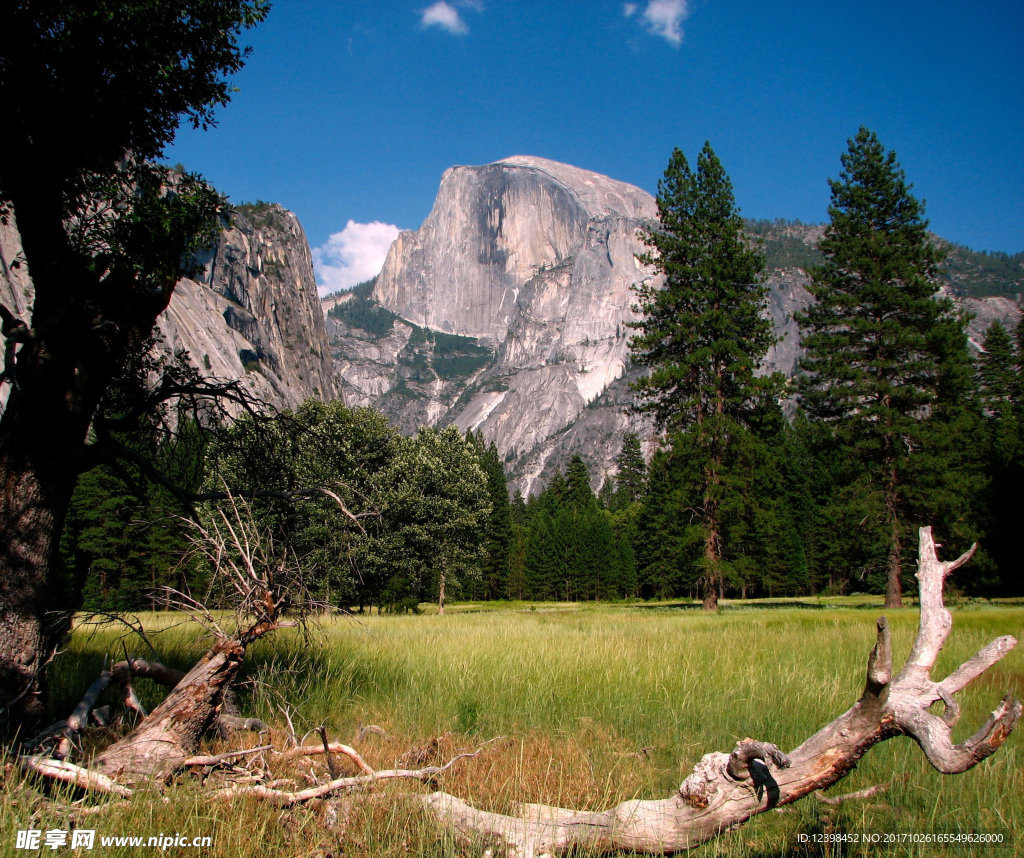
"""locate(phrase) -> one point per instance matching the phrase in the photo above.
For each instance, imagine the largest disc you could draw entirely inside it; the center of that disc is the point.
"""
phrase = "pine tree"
(577, 479)
(498, 534)
(997, 367)
(703, 335)
(632, 471)
(999, 381)
(873, 360)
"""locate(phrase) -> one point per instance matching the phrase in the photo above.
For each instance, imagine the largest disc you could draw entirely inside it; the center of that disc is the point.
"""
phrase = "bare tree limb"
(724, 790)
(68, 773)
(217, 759)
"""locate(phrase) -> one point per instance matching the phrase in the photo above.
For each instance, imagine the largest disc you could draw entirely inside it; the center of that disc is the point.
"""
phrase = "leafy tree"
(703, 335)
(348, 452)
(105, 235)
(433, 503)
(875, 338)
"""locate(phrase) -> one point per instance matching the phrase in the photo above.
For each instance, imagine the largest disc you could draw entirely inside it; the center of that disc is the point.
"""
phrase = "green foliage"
(1001, 387)
(414, 508)
(361, 311)
(703, 335)
(879, 342)
(260, 214)
(980, 274)
(495, 578)
(433, 502)
(631, 480)
(781, 248)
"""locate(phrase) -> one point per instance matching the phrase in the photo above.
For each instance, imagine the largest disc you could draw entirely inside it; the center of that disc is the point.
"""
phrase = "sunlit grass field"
(595, 704)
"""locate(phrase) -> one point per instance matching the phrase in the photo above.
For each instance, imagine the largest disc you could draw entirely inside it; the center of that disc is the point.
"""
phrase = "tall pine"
(873, 339)
(703, 335)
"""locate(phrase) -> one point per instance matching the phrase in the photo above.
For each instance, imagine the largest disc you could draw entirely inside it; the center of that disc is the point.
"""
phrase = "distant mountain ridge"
(531, 263)
(505, 312)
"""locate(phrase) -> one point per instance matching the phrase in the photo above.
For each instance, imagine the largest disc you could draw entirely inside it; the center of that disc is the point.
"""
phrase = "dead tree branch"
(724, 790)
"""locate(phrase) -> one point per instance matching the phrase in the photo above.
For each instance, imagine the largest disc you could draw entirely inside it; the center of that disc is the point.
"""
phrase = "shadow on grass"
(759, 605)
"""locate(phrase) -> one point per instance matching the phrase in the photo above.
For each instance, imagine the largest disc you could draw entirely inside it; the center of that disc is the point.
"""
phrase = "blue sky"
(348, 112)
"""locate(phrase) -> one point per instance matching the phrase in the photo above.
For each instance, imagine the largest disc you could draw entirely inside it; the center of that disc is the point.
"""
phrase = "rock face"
(252, 312)
(525, 265)
(529, 263)
(498, 228)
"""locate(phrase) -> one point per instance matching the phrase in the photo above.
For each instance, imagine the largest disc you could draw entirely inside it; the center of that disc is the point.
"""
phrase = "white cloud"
(353, 255)
(445, 16)
(629, 9)
(663, 18)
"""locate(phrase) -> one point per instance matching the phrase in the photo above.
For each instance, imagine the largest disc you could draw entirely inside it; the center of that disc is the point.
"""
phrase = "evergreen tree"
(498, 534)
(997, 367)
(543, 561)
(873, 359)
(608, 495)
(703, 335)
(577, 480)
(668, 536)
(999, 381)
(632, 474)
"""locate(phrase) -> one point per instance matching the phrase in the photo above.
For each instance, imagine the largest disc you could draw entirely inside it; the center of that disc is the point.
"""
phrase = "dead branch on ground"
(725, 790)
(722, 791)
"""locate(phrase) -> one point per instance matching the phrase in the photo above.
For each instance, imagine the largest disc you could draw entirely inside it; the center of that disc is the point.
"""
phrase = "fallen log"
(725, 790)
(722, 792)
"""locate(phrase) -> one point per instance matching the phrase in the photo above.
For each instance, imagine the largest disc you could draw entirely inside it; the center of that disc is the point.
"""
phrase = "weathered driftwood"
(724, 790)
(170, 734)
(59, 770)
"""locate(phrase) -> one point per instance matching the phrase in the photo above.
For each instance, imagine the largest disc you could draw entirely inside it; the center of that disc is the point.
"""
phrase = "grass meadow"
(595, 704)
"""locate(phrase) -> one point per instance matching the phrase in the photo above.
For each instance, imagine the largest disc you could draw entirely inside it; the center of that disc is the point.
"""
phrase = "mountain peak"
(599, 194)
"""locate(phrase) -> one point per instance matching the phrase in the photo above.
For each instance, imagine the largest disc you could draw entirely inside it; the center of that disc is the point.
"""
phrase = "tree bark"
(84, 324)
(724, 790)
(37, 477)
(893, 586)
(170, 734)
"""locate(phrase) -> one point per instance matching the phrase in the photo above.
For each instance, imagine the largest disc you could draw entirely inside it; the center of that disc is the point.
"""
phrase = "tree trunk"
(893, 585)
(37, 477)
(724, 790)
(171, 732)
(84, 324)
(712, 572)
(894, 568)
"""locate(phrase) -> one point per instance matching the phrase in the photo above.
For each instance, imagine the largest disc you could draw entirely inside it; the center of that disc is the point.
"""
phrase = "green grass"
(577, 691)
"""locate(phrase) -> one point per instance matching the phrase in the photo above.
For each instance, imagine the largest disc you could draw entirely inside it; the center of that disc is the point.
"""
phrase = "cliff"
(506, 313)
(251, 313)
(521, 274)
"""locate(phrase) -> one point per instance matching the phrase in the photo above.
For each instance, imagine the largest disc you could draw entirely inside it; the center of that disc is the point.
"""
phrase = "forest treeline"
(754, 485)
(439, 501)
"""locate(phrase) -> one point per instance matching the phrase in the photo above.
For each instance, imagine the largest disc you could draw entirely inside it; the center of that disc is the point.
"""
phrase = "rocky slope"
(251, 313)
(524, 268)
(506, 312)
